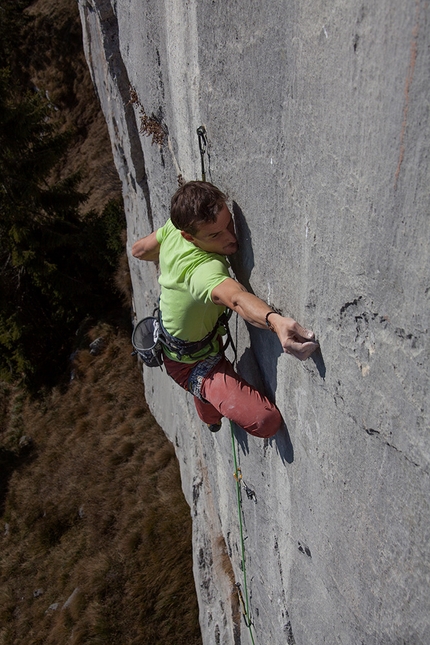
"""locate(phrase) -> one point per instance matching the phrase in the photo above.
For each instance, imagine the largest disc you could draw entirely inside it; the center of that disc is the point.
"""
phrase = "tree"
(56, 266)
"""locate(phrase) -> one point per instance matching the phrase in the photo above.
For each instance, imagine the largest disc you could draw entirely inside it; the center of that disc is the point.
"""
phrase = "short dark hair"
(194, 203)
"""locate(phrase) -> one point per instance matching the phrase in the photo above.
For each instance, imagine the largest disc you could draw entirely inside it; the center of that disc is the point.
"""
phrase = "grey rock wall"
(317, 115)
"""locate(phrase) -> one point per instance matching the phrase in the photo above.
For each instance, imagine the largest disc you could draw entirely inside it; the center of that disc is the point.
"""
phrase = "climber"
(196, 289)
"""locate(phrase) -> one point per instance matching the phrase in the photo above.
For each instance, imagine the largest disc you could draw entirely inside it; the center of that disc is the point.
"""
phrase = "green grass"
(93, 505)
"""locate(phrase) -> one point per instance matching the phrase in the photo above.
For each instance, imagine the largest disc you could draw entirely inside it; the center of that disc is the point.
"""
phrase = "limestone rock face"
(317, 121)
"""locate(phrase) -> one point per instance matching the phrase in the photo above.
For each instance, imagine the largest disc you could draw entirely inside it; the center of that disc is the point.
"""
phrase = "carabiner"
(203, 142)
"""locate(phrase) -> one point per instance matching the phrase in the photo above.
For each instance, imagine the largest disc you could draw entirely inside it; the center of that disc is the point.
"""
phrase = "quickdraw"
(203, 143)
(249, 492)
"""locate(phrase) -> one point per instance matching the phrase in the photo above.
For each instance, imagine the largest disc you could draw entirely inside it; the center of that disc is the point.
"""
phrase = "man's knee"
(267, 423)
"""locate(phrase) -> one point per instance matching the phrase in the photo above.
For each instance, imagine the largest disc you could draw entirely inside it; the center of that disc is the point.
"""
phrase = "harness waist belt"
(187, 348)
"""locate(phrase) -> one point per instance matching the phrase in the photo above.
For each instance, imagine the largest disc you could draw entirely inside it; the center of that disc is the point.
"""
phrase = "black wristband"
(268, 323)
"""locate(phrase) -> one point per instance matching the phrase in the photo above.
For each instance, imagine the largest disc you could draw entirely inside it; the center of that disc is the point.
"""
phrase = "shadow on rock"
(242, 262)
(283, 444)
(317, 358)
(259, 363)
(241, 438)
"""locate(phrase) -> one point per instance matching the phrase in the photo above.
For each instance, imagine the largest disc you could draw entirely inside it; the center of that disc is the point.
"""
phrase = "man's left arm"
(293, 337)
(147, 248)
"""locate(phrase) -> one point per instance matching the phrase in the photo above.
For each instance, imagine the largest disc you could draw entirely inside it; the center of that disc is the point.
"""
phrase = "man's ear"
(187, 236)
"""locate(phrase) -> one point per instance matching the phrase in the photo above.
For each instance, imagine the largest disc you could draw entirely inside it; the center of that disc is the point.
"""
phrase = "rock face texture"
(318, 127)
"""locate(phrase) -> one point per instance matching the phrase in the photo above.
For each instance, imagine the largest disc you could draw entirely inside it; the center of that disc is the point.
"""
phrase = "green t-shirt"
(188, 276)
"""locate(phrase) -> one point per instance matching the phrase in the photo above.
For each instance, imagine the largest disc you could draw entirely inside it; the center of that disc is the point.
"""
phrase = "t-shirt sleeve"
(159, 235)
(206, 277)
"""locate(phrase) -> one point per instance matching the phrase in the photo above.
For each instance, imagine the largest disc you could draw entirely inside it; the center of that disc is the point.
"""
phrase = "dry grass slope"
(96, 534)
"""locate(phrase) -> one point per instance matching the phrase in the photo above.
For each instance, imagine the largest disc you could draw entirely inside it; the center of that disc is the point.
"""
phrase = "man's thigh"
(239, 401)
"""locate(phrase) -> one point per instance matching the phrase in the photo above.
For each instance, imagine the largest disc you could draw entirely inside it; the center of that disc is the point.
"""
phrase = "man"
(196, 289)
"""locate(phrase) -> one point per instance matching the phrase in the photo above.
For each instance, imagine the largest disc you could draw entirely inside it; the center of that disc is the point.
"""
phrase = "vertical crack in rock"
(234, 600)
(288, 630)
(408, 83)
(183, 76)
(110, 40)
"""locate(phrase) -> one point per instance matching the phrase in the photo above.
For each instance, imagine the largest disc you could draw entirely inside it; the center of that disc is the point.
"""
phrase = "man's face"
(216, 237)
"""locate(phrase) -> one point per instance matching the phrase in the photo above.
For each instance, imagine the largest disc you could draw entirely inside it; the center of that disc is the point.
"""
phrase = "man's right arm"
(294, 338)
(147, 248)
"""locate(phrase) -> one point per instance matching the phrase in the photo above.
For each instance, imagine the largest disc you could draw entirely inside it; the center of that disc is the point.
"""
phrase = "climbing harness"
(203, 143)
(149, 336)
(243, 598)
(188, 348)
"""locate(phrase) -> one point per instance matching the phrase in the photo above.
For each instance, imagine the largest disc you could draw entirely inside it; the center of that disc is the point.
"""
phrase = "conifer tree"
(56, 266)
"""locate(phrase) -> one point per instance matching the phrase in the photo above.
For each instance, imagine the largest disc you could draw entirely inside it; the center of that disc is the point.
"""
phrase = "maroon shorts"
(228, 395)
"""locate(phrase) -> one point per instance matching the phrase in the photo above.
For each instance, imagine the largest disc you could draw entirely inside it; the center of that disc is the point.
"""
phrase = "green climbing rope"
(243, 601)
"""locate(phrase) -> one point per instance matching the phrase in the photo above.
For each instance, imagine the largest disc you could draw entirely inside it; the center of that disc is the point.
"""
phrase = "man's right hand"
(295, 339)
